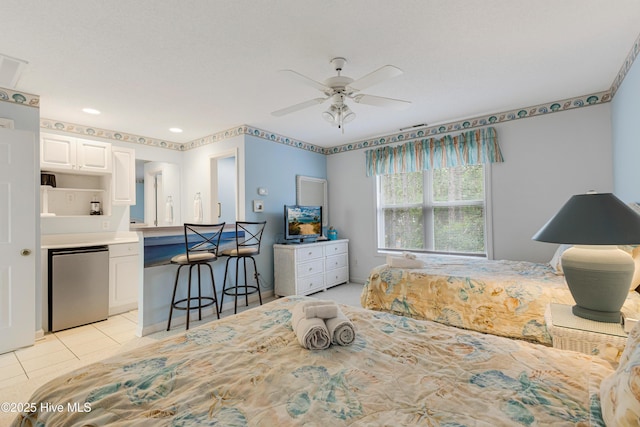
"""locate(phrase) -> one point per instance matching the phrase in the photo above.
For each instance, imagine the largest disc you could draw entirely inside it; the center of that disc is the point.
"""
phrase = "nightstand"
(570, 332)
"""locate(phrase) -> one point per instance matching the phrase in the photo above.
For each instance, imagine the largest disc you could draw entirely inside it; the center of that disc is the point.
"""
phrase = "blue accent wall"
(274, 166)
(625, 114)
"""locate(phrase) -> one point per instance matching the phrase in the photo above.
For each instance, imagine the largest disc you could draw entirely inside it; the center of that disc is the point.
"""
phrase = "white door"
(18, 193)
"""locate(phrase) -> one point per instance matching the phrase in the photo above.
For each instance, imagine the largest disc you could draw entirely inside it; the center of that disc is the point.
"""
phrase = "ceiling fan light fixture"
(330, 115)
(347, 114)
(341, 88)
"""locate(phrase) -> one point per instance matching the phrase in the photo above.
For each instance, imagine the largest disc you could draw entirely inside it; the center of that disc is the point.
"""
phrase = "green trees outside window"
(440, 210)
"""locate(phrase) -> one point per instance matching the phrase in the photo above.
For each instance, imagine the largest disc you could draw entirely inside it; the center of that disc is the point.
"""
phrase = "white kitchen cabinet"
(303, 269)
(123, 181)
(63, 153)
(124, 273)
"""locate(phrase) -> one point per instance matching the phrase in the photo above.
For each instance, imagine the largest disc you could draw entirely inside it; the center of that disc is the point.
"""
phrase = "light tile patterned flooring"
(23, 371)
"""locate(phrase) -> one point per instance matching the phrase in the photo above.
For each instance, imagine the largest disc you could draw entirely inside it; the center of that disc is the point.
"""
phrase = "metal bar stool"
(201, 248)
(248, 238)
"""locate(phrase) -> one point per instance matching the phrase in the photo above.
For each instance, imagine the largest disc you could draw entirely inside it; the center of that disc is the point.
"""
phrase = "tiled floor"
(23, 371)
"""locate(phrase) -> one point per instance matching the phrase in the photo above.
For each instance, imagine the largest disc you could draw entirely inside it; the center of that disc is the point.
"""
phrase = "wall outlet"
(105, 225)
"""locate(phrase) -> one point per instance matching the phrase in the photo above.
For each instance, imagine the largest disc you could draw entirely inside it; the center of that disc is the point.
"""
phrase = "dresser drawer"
(335, 248)
(309, 252)
(310, 284)
(333, 277)
(310, 268)
(336, 261)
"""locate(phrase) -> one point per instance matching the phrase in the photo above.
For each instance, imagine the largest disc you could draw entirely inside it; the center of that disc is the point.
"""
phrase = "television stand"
(311, 267)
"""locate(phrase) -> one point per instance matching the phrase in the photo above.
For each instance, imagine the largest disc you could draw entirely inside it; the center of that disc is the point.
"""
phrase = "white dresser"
(302, 269)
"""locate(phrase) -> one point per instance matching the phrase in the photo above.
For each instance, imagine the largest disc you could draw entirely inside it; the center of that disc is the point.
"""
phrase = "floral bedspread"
(506, 298)
(249, 370)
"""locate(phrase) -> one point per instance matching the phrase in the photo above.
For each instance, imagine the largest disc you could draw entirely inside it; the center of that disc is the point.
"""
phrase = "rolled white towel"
(325, 310)
(341, 329)
(312, 333)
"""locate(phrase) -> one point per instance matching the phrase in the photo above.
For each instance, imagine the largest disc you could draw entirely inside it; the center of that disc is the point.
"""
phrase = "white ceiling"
(211, 65)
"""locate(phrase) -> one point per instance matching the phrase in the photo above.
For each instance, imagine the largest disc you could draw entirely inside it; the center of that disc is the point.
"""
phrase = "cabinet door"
(93, 156)
(123, 284)
(123, 181)
(57, 152)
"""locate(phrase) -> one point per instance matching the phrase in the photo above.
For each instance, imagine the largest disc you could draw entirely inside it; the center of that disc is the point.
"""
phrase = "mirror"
(313, 192)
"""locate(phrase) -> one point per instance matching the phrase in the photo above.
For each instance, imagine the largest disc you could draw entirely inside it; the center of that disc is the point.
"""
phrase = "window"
(436, 210)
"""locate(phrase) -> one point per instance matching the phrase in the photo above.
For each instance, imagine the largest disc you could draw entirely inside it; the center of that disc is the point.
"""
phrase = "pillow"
(633, 341)
(555, 261)
(620, 391)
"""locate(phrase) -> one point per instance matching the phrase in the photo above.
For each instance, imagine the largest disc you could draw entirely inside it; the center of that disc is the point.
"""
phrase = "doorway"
(225, 194)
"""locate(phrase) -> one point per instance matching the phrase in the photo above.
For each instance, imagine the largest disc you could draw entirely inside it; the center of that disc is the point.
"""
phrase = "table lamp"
(597, 272)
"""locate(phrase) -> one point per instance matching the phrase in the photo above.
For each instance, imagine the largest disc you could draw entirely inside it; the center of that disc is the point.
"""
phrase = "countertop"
(76, 240)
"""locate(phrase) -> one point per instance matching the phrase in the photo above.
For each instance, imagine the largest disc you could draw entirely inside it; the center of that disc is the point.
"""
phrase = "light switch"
(258, 206)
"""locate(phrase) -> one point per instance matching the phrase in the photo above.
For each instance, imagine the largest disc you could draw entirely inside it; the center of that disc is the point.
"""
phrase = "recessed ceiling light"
(91, 111)
(175, 130)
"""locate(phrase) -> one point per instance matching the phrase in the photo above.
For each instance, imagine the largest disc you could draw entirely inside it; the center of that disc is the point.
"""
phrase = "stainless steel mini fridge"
(78, 286)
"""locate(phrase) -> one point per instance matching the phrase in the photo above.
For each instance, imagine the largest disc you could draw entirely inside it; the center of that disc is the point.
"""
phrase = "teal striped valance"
(473, 147)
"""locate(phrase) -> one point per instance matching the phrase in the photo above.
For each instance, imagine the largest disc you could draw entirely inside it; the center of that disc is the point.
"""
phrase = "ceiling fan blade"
(379, 101)
(375, 77)
(298, 107)
(306, 80)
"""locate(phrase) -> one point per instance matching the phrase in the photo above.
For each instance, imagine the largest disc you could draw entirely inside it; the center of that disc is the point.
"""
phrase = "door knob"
(25, 252)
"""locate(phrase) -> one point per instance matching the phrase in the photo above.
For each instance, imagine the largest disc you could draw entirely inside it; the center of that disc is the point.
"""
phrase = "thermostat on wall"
(258, 206)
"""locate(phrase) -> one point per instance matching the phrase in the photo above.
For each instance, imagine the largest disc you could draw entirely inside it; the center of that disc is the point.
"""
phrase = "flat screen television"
(302, 223)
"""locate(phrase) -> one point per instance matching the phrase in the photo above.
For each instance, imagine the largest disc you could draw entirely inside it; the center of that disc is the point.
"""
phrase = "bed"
(501, 297)
(249, 370)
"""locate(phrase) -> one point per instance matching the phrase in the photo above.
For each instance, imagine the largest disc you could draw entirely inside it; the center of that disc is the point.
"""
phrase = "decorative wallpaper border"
(9, 95)
(108, 134)
(489, 119)
(631, 57)
(284, 140)
(253, 131)
(17, 97)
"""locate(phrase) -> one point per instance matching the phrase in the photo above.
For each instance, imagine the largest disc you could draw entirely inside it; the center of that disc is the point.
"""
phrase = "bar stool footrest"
(194, 307)
(240, 290)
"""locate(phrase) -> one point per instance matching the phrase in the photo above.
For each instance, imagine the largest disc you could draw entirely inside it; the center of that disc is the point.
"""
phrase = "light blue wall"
(274, 166)
(625, 113)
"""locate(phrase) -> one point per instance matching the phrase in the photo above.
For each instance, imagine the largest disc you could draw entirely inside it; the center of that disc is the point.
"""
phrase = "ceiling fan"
(340, 88)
